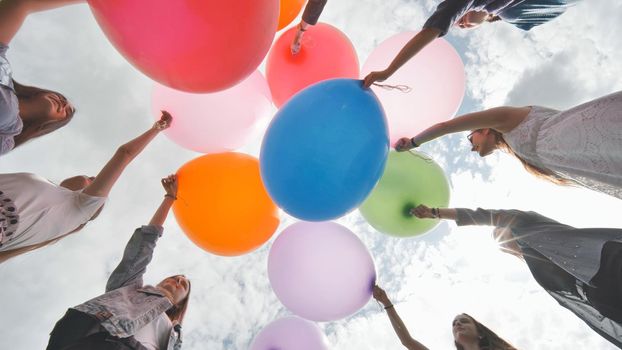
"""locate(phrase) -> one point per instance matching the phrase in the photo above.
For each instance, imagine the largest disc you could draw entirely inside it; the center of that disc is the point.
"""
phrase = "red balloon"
(325, 53)
(190, 45)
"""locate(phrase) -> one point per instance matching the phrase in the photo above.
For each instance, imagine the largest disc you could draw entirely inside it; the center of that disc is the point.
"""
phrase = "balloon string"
(403, 88)
(183, 200)
(423, 156)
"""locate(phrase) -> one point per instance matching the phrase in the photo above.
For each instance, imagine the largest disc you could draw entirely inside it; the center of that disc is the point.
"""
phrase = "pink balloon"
(217, 122)
(321, 271)
(290, 333)
(325, 53)
(196, 46)
(436, 76)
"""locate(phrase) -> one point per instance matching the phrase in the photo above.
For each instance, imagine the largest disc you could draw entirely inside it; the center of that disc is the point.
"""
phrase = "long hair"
(535, 170)
(178, 311)
(41, 124)
(488, 340)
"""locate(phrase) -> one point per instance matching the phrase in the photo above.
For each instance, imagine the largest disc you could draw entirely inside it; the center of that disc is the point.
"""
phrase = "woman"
(26, 112)
(580, 268)
(468, 333)
(130, 315)
(525, 14)
(310, 16)
(35, 212)
(580, 145)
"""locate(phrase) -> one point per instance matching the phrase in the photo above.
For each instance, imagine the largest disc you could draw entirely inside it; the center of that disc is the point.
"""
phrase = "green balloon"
(409, 179)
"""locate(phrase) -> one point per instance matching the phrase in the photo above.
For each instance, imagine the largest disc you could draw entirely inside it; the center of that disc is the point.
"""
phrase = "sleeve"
(313, 10)
(447, 13)
(88, 205)
(137, 255)
(499, 5)
(498, 218)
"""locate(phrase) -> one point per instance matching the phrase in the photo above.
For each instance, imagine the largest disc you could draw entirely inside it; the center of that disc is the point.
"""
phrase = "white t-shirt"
(155, 335)
(33, 210)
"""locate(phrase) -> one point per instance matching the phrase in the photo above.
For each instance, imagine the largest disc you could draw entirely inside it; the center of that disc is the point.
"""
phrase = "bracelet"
(434, 212)
(414, 144)
(438, 213)
(388, 307)
(170, 196)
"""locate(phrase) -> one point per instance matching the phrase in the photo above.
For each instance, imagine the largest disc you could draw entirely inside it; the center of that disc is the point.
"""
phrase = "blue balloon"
(325, 150)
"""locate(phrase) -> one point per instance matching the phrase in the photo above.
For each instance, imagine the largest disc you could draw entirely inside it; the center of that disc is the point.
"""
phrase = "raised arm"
(14, 12)
(108, 176)
(486, 217)
(416, 44)
(398, 326)
(502, 119)
(139, 249)
(310, 16)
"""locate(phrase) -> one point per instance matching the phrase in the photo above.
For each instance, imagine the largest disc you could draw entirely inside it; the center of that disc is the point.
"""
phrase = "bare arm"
(502, 119)
(170, 186)
(397, 323)
(14, 12)
(416, 44)
(108, 176)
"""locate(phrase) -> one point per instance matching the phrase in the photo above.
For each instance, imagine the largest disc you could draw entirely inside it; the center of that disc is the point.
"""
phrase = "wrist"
(413, 143)
(170, 196)
(389, 306)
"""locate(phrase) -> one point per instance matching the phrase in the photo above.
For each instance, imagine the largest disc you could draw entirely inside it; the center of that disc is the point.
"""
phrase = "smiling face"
(483, 141)
(177, 286)
(49, 105)
(464, 329)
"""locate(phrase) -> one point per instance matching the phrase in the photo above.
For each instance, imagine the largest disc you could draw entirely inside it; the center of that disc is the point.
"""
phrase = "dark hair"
(41, 124)
(488, 340)
(535, 170)
(178, 311)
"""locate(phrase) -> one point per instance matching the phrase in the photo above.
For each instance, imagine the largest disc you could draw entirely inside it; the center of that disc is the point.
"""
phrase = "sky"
(431, 278)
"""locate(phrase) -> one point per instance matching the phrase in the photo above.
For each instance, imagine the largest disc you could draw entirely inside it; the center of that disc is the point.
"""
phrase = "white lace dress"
(583, 144)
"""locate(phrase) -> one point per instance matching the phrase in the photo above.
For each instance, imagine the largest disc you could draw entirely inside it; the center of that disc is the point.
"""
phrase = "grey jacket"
(575, 254)
(127, 305)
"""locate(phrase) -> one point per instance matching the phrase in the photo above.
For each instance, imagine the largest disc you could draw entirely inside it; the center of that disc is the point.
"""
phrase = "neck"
(474, 345)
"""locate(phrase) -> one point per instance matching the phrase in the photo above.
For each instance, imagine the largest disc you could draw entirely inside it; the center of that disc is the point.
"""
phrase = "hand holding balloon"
(373, 77)
(380, 295)
(405, 144)
(423, 212)
(164, 122)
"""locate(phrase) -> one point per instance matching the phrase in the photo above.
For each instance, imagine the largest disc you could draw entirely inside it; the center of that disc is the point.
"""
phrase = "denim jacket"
(127, 305)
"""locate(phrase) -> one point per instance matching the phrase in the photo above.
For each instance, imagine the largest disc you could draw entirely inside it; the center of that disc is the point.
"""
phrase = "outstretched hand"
(380, 295)
(404, 144)
(374, 77)
(422, 212)
(164, 122)
(170, 185)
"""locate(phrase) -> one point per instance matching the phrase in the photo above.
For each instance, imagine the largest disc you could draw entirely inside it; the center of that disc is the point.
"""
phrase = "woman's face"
(482, 141)
(53, 105)
(178, 286)
(472, 19)
(464, 329)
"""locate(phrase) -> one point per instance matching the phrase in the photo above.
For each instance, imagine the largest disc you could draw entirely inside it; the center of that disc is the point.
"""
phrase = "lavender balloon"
(321, 271)
(290, 333)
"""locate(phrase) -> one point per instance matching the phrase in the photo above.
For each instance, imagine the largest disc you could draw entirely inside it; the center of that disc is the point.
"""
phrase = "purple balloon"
(290, 333)
(321, 271)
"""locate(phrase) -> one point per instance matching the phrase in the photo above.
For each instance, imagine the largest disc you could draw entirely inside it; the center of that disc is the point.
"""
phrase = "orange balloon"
(222, 204)
(288, 11)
